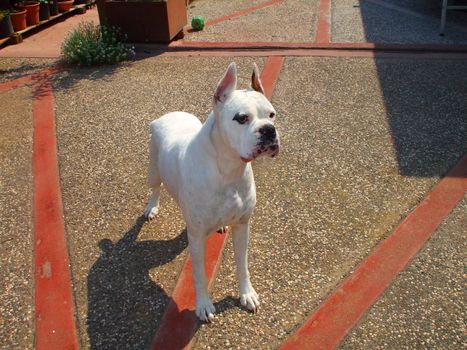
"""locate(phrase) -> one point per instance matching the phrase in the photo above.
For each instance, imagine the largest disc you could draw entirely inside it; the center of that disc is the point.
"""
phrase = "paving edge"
(54, 308)
(341, 311)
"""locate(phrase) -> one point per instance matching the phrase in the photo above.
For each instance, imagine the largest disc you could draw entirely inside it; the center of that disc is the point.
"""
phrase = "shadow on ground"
(411, 22)
(124, 303)
(426, 108)
(424, 99)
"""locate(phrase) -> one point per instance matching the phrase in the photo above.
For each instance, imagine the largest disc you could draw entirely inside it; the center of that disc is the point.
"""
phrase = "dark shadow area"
(426, 108)
(17, 72)
(411, 22)
(124, 303)
(68, 75)
(125, 306)
(425, 98)
(64, 76)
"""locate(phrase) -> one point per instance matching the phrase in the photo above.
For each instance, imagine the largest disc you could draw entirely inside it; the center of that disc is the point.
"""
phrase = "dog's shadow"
(124, 304)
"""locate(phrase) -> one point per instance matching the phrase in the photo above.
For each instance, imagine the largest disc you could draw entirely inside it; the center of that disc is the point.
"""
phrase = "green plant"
(4, 14)
(91, 44)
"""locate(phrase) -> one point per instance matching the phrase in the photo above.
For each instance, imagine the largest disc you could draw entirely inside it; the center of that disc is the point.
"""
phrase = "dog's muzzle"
(268, 141)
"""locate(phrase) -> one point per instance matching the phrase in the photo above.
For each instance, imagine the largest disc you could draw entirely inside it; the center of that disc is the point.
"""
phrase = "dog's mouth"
(271, 150)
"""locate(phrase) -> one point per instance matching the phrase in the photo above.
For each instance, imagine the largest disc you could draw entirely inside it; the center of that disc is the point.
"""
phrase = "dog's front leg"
(248, 297)
(204, 308)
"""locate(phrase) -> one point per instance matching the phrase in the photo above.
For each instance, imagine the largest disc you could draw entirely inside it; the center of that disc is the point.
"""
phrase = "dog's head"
(246, 117)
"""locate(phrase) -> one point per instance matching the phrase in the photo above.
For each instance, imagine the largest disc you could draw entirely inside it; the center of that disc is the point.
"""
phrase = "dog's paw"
(205, 310)
(249, 299)
(150, 212)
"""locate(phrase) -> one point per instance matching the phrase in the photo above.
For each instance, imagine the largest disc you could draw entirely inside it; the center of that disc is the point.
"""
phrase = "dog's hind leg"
(154, 182)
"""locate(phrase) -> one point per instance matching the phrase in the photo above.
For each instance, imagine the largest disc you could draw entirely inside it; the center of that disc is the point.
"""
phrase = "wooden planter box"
(147, 21)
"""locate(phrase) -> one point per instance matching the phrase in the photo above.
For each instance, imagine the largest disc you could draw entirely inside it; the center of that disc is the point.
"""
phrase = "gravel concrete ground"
(13, 68)
(274, 23)
(124, 270)
(426, 307)
(364, 140)
(356, 145)
(366, 21)
(334, 192)
(16, 195)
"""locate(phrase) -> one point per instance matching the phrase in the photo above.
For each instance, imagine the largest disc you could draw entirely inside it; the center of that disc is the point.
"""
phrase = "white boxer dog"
(206, 168)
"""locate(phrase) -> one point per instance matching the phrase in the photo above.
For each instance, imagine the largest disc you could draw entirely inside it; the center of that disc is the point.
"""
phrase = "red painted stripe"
(323, 29)
(243, 12)
(179, 322)
(15, 83)
(271, 70)
(55, 323)
(326, 328)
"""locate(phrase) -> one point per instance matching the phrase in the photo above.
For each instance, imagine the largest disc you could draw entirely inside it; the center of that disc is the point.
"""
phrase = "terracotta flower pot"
(64, 6)
(18, 19)
(32, 12)
(6, 27)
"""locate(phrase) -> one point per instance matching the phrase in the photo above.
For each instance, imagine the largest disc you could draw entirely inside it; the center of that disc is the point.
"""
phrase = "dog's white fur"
(207, 170)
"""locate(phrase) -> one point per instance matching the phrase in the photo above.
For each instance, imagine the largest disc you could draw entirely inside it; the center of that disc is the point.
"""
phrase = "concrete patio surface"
(16, 191)
(425, 307)
(277, 23)
(335, 191)
(123, 270)
(400, 21)
(365, 139)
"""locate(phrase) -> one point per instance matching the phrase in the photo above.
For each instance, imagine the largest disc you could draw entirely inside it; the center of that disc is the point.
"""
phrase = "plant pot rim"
(17, 12)
(29, 3)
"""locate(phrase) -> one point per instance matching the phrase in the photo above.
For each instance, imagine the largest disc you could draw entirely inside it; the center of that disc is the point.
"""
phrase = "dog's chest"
(232, 205)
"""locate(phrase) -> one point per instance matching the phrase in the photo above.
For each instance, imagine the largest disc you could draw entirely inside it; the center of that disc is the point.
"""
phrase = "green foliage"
(91, 44)
(3, 14)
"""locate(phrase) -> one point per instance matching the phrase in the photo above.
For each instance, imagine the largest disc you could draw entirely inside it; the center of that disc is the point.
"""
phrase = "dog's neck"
(229, 163)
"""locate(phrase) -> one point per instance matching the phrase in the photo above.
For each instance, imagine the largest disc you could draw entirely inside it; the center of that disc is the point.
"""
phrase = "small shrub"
(91, 44)
(3, 14)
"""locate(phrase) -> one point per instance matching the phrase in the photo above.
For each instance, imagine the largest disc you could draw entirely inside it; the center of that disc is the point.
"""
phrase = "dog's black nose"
(268, 132)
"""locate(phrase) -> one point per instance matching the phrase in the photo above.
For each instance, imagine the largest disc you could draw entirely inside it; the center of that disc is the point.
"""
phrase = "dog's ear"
(256, 81)
(227, 84)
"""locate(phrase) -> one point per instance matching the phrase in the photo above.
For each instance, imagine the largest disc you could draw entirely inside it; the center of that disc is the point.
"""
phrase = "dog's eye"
(272, 115)
(241, 118)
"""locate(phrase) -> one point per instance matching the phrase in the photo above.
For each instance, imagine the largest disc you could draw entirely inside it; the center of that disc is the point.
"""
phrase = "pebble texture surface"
(273, 23)
(425, 307)
(13, 68)
(333, 193)
(371, 21)
(16, 212)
